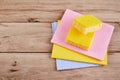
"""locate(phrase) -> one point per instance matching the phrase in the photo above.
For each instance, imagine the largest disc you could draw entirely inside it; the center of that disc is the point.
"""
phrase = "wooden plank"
(25, 37)
(48, 11)
(35, 37)
(115, 40)
(22, 66)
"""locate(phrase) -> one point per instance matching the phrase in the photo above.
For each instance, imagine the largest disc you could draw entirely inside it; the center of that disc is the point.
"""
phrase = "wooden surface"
(25, 34)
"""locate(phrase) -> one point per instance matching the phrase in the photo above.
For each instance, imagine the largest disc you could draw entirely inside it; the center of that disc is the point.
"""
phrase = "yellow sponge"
(78, 39)
(87, 23)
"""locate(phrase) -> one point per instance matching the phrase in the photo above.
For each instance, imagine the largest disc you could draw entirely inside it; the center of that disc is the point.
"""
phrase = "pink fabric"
(100, 41)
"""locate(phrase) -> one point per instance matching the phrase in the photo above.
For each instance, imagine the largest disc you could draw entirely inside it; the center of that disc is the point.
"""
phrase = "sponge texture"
(86, 24)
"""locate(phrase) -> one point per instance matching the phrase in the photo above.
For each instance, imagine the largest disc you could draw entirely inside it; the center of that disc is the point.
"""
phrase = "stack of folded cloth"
(80, 41)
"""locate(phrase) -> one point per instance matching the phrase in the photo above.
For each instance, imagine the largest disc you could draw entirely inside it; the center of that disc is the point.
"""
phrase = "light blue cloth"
(54, 26)
(65, 64)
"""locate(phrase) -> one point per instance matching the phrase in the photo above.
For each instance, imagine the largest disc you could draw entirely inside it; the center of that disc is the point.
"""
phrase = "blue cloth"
(65, 64)
(54, 26)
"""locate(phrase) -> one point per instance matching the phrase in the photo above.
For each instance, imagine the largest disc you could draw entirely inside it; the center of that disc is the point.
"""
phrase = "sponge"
(86, 24)
(78, 39)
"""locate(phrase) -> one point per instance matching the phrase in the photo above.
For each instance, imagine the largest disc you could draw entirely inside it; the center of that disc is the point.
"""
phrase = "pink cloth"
(100, 41)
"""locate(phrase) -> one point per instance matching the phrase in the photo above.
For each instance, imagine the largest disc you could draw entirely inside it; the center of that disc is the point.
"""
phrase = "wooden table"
(25, 34)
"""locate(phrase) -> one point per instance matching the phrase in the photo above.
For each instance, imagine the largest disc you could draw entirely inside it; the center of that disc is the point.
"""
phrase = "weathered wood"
(48, 11)
(25, 48)
(35, 37)
(115, 40)
(22, 66)
(25, 37)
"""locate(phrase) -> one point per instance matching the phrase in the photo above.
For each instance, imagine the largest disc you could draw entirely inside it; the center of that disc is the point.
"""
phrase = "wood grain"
(25, 34)
(41, 67)
(48, 11)
(25, 37)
